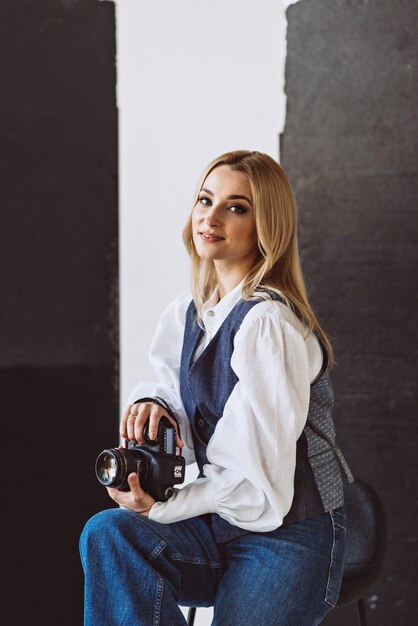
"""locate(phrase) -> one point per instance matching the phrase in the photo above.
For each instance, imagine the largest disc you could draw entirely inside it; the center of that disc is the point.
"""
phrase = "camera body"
(156, 463)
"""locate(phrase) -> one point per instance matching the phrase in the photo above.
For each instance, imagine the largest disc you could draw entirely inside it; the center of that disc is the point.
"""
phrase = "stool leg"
(191, 615)
(361, 610)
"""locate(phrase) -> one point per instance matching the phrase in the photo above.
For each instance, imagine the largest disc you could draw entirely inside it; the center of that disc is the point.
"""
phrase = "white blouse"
(252, 453)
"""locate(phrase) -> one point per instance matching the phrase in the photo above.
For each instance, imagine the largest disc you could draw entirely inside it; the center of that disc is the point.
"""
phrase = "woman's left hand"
(136, 499)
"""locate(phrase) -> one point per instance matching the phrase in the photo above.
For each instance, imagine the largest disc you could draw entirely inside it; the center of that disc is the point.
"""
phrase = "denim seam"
(158, 601)
(340, 518)
(196, 560)
(157, 551)
(327, 594)
(339, 525)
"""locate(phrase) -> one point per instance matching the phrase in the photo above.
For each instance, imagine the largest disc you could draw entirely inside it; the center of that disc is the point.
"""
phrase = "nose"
(212, 216)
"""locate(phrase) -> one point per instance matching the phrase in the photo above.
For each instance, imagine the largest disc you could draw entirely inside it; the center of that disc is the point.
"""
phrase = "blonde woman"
(243, 365)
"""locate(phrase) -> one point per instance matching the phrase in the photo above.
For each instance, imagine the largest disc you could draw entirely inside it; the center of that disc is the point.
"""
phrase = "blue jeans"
(137, 571)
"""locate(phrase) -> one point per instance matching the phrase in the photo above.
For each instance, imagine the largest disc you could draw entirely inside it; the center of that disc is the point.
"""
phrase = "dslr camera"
(156, 463)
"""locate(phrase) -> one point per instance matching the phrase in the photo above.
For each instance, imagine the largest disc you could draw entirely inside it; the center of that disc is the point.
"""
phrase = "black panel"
(350, 148)
(59, 190)
(58, 314)
(57, 421)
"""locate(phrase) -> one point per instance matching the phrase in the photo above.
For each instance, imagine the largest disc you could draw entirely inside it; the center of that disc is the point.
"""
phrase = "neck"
(229, 275)
(227, 282)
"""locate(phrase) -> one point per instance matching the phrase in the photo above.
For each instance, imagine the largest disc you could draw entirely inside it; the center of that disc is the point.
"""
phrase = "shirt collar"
(215, 311)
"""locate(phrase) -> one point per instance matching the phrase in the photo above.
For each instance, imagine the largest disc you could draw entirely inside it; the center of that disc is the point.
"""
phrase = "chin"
(206, 256)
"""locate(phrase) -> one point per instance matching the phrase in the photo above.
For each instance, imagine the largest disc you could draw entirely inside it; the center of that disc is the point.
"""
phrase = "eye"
(238, 209)
(204, 201)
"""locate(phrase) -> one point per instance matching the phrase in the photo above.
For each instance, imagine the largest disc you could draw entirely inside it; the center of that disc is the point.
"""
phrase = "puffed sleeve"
(165, 356)
(252, 453)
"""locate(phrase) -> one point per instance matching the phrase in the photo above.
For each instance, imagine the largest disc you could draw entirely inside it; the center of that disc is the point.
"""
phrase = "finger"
(135, 486)
(141, 419)
(122, 428)
(142, 500)
(130, 424)
(154, 420)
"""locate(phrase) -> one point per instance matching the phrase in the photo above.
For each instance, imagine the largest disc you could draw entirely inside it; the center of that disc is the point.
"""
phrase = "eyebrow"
(232, 197)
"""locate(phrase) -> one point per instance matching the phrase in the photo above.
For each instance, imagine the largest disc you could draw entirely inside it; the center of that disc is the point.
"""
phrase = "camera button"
(201, 423)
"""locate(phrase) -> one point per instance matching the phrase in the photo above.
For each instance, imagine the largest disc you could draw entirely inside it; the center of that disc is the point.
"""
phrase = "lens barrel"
(114, 465)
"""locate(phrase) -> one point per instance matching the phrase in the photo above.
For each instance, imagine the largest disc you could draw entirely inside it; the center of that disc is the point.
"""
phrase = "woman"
(244, 368)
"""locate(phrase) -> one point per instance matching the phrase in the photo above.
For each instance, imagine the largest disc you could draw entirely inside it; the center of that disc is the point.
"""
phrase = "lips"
(210, 237)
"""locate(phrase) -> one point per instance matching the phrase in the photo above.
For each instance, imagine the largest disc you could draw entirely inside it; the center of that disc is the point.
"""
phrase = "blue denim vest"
(205, 387)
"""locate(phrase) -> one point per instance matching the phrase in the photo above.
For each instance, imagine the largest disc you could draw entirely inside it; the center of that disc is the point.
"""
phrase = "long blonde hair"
(278, 265)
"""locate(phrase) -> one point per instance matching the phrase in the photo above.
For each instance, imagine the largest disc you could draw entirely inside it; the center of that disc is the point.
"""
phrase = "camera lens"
(106, 468)
(111, 467)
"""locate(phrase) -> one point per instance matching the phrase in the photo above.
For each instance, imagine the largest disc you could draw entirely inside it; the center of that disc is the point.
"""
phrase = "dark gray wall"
(350, 149)
(58, 247)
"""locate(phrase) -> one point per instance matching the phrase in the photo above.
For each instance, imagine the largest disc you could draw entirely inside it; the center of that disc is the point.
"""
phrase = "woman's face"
(223, 221)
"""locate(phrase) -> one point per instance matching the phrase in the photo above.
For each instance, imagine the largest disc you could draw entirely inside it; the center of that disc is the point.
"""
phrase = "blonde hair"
(278, 266)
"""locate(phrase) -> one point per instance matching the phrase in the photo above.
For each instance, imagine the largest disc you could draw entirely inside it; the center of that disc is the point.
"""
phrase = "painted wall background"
(350, 147)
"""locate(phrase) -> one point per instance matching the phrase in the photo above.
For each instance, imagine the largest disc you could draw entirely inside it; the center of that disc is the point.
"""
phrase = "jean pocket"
(336, 565)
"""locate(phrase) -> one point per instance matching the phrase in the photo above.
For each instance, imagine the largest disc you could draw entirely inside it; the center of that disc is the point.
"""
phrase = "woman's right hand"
(134, 418)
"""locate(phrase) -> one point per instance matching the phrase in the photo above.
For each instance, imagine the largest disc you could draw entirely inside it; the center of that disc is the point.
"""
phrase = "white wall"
(195, 78)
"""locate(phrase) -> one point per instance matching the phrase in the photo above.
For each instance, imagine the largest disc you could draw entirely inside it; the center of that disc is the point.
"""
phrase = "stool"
(365, 546)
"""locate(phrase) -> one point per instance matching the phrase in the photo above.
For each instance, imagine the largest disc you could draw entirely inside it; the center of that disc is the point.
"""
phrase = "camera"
(156, 463)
